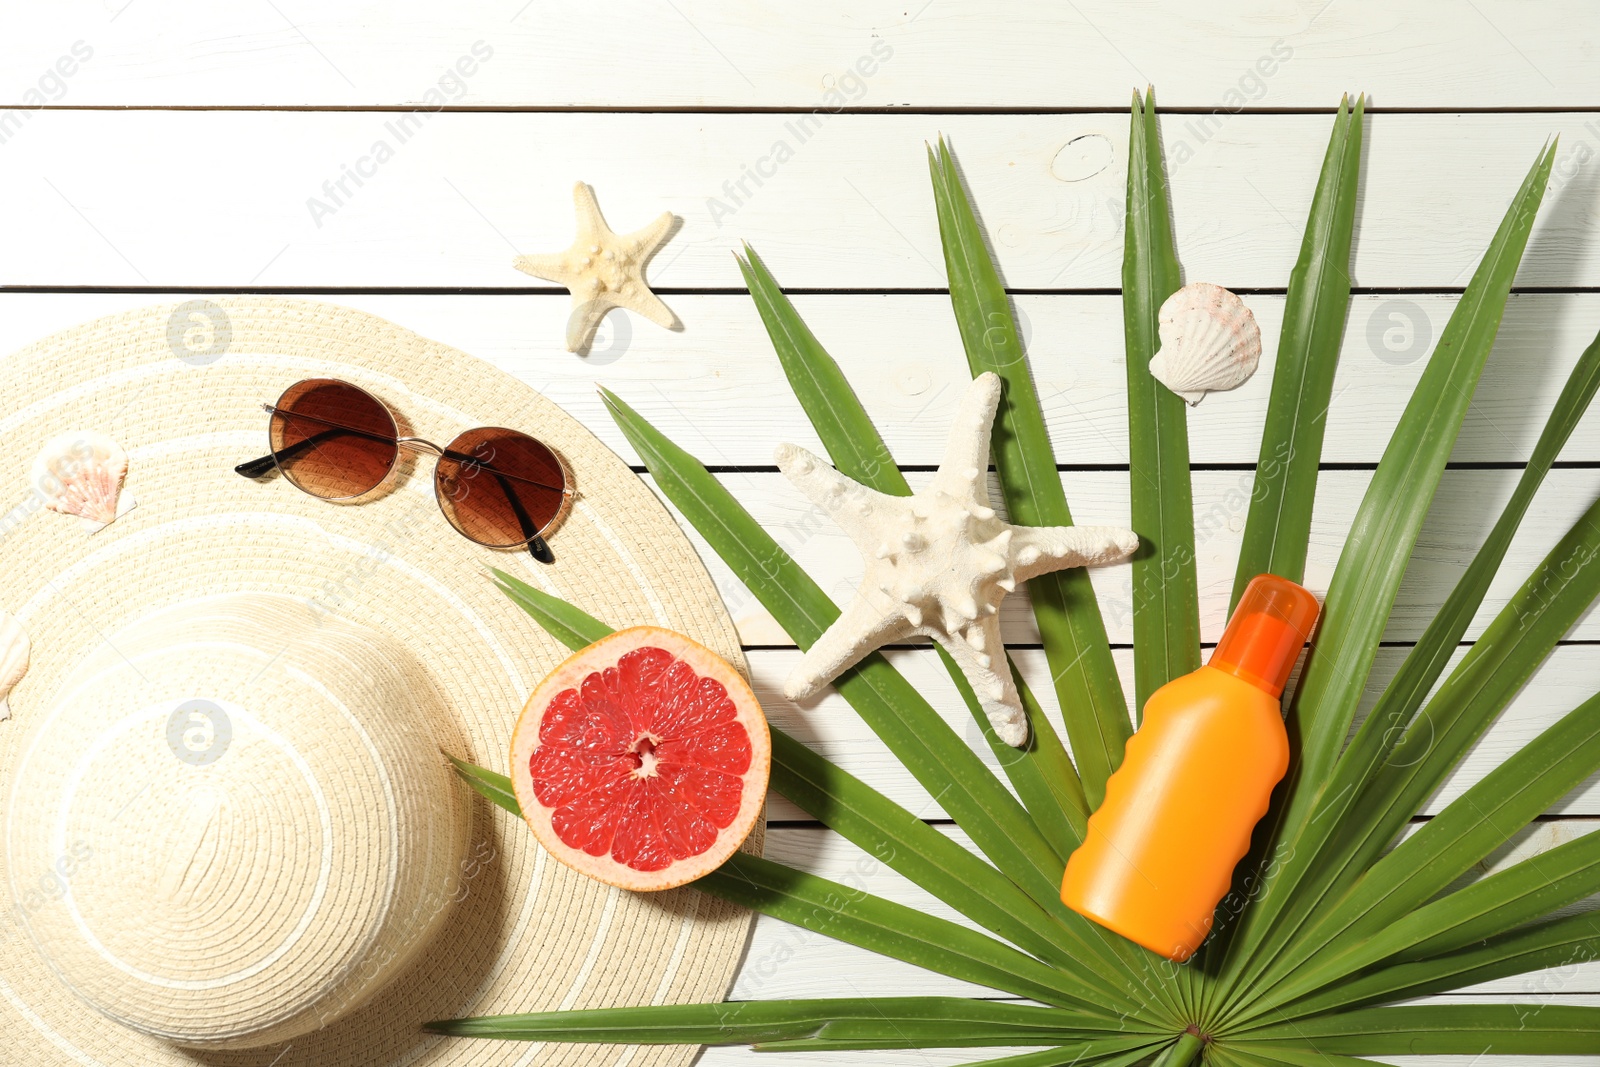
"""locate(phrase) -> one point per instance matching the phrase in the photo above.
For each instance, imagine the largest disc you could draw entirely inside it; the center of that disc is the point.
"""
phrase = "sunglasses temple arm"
(258, 468)
(475, 463)
(540, 551)
(536, 544)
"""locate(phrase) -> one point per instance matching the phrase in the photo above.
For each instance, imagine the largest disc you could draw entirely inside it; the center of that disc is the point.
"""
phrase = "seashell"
(13, 659)
(80, 473)
(1209, 342)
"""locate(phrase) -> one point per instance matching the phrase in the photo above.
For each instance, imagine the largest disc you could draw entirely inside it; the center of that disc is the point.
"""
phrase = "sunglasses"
(497, 487)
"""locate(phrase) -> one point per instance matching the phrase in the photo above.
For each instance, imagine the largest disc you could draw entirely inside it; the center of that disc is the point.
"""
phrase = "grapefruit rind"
(570, 675)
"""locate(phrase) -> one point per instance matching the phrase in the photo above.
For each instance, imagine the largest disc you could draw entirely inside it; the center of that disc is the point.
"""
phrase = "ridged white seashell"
(80, 473)
(1209, 342)
(13, 659)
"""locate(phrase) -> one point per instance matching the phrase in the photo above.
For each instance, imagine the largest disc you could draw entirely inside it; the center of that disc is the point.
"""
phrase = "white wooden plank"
(945, 53)
(787, 961)
(208, 198)
(1464, 508)
(717, 389)
(831, 726)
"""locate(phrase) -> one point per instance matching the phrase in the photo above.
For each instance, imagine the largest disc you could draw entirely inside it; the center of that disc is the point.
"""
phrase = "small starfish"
(604, 270)
(938, 563)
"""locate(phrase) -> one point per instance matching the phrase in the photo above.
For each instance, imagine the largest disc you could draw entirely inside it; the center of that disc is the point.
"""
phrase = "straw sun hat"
(227, 831)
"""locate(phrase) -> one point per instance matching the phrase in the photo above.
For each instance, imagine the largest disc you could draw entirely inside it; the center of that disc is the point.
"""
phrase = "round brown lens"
(499, 487)
(333, 440)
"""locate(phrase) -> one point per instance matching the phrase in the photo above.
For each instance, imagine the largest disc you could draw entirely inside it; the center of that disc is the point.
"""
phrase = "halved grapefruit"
(642, 760)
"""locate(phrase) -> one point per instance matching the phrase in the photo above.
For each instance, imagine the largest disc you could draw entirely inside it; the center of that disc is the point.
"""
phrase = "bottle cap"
(1269, 627)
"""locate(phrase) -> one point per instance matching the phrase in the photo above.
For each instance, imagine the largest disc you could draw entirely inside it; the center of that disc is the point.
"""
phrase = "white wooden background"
(156, 147)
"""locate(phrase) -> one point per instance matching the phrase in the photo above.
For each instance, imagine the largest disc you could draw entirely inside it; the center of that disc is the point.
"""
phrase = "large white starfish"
(938, 563)
(603, 270)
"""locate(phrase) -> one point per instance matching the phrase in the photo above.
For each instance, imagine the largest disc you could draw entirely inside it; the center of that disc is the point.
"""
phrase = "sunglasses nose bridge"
(418, 444)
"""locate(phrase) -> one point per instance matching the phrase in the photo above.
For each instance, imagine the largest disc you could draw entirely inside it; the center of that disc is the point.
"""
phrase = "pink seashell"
(13, 659)
(80, 473)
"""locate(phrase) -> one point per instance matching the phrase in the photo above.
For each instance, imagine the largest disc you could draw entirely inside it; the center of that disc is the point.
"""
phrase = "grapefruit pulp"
(642, 760)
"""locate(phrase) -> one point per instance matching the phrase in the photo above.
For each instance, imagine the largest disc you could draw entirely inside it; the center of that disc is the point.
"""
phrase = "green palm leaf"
(1475, 824)
(1042, 773)
(1070, 625)
(1092, 1053)
(1277, 531)
(1443, 1030)
(1166, 594)
(1271, 1056)
(916, 850)
(842, 424)
(1181, 1051)
(1508, 898)
(855, 1022)
(1386, 525)
(1068, 617)
(493, 787)
(1484, 817)
(1505, 899)
(859, 918)
(563, 621)
(1558, 943)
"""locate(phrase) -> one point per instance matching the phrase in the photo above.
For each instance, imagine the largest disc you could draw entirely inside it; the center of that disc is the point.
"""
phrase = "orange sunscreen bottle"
(1195, 779)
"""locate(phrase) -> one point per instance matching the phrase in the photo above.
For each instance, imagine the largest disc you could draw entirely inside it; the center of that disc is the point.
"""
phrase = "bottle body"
(1178, 813)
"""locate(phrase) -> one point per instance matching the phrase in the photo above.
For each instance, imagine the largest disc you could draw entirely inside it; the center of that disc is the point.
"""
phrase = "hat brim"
(525, 933)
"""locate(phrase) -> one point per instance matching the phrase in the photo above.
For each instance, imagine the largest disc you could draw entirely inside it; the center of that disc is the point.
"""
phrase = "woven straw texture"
(379, 609)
